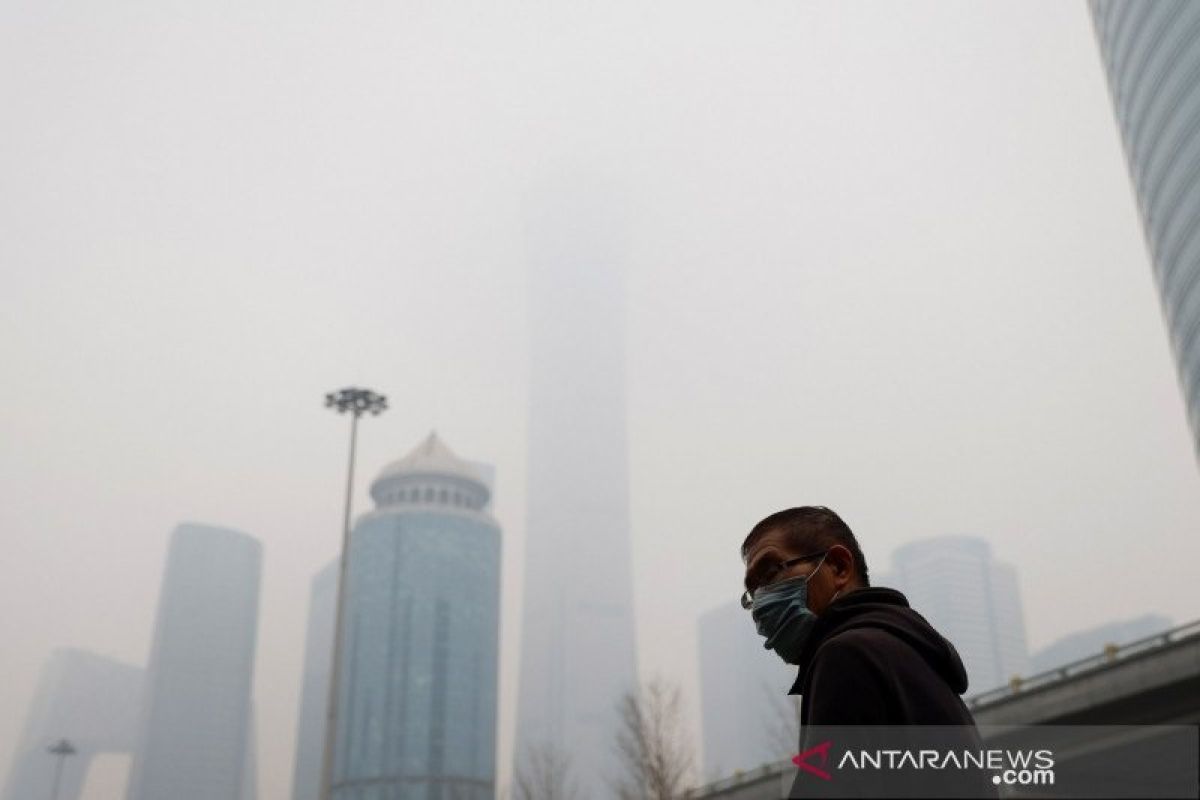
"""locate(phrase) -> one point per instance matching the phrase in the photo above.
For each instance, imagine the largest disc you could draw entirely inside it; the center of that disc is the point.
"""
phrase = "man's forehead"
(773, 541)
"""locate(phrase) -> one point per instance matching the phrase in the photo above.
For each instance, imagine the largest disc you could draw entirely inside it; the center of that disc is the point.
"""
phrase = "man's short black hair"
(808, 529)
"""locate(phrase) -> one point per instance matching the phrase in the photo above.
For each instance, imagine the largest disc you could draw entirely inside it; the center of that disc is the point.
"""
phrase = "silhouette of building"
(971, 599)
(87, 699)
(578, 644)
(181, 719)
(1151, 55)
(193, 734)
(747, 716)
(314, 689)
(418, 694)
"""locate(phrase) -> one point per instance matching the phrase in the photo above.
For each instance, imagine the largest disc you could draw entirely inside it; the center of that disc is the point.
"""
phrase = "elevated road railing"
(1111, 654)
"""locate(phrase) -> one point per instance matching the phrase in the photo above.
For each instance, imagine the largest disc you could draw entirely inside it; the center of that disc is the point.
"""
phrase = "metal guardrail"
(1109, 655)
(738, 778)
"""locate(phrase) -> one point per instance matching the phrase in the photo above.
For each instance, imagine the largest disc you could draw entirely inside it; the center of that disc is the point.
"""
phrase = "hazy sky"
(883, 257)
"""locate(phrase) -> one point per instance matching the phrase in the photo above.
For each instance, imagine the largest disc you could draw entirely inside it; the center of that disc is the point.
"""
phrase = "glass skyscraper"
(418, 679)
(1151, 54)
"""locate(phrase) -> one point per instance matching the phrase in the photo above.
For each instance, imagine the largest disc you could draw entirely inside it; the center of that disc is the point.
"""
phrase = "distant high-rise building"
(1091, 642)
(578, 645)
(87, 699)
(747, 715)
(1151, 54)
(314, 688)
(971, 599)
(418, 679)
(194, 729)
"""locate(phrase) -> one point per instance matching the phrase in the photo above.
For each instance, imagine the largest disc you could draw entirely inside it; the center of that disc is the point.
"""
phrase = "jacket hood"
(888, 610)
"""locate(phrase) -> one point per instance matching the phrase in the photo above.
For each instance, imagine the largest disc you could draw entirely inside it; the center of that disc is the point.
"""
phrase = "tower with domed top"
(418, 686)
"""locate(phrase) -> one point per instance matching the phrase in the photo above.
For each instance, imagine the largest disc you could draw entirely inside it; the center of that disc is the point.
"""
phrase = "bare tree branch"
(544, 774)
(782, 732)
(652, 743)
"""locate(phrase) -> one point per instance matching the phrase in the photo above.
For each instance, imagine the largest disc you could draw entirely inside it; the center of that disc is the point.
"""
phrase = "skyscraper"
(971, 599)
(89, 700)
(578, 648)
(193, 734)
(314, 689)
(1151, 54)
(418, 693)
(747, 715)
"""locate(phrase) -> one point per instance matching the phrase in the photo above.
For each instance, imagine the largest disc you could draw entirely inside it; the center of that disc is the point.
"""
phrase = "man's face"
(773, 548)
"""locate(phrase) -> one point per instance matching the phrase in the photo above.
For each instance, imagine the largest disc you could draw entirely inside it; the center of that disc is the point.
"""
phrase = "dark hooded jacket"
(872, 660)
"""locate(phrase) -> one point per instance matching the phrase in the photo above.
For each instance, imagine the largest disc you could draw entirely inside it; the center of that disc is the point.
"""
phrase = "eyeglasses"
(769, 578)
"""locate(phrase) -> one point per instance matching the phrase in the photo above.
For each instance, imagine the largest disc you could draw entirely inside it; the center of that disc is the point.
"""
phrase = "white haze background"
(883, 257)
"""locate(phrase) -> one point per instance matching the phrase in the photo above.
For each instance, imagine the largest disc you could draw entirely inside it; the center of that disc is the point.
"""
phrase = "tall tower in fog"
(578, 647)
(196, 714)
(1151, 53)
(418, 679)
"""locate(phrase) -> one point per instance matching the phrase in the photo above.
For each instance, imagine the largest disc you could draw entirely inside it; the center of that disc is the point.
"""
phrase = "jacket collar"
(839, 611)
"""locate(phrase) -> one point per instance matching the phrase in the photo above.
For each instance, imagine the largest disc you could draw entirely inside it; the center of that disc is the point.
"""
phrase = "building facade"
(418, 694)
(194, 733)
(578, 644)
(971, 599)
(1151, 56)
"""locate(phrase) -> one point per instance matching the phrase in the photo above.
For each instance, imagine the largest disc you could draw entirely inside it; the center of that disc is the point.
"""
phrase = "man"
(864, 657)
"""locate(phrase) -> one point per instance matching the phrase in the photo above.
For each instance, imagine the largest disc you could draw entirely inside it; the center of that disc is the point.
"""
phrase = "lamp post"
(357, 402)
(60, 749)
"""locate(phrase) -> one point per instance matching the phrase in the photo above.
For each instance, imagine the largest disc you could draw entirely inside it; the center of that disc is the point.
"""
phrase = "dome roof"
(432, 457)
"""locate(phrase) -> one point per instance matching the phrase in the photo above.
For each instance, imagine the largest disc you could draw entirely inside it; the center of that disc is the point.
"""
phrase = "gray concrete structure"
(195, 716)
(1151, 56)
(578, 648)
(91, 701)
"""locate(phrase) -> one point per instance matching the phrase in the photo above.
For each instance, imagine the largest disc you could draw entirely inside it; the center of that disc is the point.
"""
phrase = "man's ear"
(841, 559)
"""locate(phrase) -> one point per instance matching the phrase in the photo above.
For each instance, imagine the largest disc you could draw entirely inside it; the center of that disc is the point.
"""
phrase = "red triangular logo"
(822, 750)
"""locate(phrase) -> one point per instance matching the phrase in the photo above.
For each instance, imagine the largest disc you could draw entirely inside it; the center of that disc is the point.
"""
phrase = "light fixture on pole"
(60, 749)
(357, 402)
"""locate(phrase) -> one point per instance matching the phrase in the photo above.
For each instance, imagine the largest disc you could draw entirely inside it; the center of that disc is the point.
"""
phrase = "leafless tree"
(782, 731)
(544, 774)
(654, 747)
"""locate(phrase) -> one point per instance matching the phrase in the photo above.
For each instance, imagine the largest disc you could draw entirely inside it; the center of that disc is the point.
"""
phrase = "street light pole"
(357, 402)
(60, 749)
